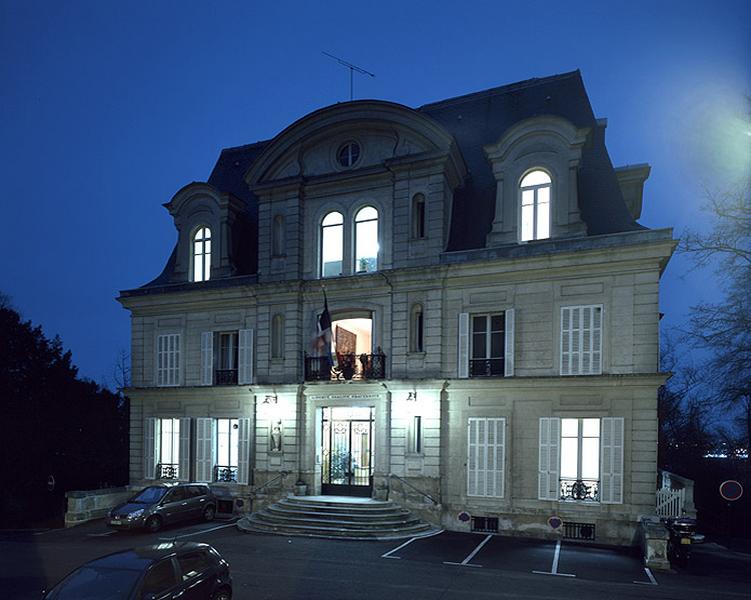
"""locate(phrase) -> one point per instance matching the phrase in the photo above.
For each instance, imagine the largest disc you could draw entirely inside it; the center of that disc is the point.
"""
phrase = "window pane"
(527, 223)
(366, 214)
(234, 427)
(366, 236)
(535, 178)
(496, 345)
(543, 219)
(590, 458)
(478, 345)
(569, 462)
(333, 218)
(528, 197)
(591, 427)
(332, 247)
(569, 427)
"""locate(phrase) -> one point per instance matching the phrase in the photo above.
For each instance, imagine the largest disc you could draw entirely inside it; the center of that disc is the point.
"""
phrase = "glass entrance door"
(347, 468)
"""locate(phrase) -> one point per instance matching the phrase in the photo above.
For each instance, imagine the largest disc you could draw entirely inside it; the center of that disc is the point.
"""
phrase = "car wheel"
(222, 595)
(209, 513)
(154, 523)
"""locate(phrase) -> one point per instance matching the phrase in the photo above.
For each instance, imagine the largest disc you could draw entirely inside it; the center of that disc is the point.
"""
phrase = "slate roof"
(475, 120)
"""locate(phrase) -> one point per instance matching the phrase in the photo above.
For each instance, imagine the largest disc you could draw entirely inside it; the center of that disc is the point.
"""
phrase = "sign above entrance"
(347, 397)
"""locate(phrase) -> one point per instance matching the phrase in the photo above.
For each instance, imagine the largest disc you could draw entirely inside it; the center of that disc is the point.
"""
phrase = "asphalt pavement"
(446, 566)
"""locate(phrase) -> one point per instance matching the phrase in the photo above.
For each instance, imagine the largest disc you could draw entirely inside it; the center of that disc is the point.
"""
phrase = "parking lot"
(446, 566)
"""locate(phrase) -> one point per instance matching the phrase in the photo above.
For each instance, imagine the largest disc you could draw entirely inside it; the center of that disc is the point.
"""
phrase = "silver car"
(159, 505)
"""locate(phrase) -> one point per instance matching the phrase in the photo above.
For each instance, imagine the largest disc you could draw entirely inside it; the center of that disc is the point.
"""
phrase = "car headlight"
(135, 514)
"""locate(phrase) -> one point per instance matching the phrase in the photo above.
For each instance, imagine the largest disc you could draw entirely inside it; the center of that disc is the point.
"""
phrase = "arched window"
(418, 216)
(416, 329)
(332, 244)
(277, 236)
(366, 240)
(277, 336)
(535, 191)
(202, 254)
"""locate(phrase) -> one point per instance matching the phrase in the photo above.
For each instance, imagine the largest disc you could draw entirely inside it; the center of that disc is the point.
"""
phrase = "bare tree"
(723, 328)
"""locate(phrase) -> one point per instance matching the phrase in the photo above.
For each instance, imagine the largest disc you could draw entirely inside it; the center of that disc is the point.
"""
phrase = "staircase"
(339, 517)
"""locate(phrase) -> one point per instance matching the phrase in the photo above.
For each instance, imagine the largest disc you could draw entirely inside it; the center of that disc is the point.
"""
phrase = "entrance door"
(347, 468)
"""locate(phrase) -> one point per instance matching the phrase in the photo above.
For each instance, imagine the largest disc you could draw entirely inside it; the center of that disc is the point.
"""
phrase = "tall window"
(487, 352)
(168, 359)
(581, 340)
(226, 449)
(418, 216)
(366, 240)
(580, 459)
(535, 206)
(169, 448)
(332, 244)
(228, 351)
(202, 254)
(417, 325)
(277, 336)
(277, 236)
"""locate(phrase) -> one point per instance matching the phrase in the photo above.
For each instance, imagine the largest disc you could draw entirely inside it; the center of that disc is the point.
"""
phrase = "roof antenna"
(352, 68)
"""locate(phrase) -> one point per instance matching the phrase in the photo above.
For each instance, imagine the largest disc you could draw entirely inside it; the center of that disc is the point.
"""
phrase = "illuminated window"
(418, 216)
(535, 191)
(226, 450)
(366, 240)
(580, 458)
(202, 254)
(332, 244)
(169, 448)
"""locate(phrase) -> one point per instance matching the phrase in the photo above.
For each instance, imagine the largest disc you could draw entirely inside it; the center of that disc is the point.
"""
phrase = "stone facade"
(424, 304)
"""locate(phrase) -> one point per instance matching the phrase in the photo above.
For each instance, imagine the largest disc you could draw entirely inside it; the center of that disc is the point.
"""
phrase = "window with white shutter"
(183, 469)
(205, 436)
(245, 357)
(168, 359)
(243, 451)
(207, 358)
(508, 353)
(151, 447)
(486, 449)
(462, 354)
(581, 340)
(611, 478)
(550, 432)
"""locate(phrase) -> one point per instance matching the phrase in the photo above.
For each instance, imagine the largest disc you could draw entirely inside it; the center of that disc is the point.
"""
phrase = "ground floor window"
(169, 449)
(580, 459)
(486, 450)
(222, 450)
(226, 449)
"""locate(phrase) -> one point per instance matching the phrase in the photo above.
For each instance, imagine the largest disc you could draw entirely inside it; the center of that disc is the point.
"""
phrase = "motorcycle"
(682, 536)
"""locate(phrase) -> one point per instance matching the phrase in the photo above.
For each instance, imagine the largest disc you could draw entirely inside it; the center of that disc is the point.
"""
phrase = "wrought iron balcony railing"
(225, 473)
(486, 367)
(167, 471)
(226, 377)
(580, 489)
(347, 366)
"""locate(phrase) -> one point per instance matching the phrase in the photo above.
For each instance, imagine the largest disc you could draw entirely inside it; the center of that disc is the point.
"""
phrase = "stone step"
(274, 519)
(365, 508)
(287, 510)
(423, 529)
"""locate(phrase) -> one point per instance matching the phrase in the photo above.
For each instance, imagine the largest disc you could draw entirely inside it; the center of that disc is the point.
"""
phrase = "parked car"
(184, 570)
(159, 505)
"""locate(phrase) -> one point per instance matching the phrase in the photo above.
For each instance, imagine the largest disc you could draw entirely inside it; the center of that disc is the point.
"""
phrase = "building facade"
(451, 306)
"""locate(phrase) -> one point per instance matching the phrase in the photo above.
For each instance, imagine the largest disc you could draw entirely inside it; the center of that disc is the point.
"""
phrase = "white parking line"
(105, 534)
(390, 552)
(652, 580)
(177, 537)
(554, 568)
(465, 562)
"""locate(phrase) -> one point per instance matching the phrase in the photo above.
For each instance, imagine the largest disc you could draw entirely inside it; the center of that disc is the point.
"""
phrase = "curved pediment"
(380, 130)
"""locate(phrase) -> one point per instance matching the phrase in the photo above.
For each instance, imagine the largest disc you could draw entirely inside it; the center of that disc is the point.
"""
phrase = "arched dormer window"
(277, 336)
(202, 254)
(332, 244)
(366, 240)
(535, 189)
(418, 216)
(277, 236)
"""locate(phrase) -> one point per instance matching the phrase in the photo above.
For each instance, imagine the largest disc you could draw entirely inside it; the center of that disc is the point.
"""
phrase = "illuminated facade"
(488, 335)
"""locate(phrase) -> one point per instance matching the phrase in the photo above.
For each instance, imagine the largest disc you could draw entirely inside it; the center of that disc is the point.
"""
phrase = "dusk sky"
(107, 109)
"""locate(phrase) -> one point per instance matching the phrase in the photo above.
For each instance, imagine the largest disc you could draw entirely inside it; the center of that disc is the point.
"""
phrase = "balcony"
(486, 367)
(587, 490)
(348, 367)
(226, 377)
(167, 471)
(226, 474)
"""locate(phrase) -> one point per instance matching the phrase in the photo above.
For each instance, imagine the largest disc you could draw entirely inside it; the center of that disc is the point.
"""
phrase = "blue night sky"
(107, 109)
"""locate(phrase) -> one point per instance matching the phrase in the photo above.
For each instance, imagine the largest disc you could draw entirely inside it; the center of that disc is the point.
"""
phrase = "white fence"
(670, 503)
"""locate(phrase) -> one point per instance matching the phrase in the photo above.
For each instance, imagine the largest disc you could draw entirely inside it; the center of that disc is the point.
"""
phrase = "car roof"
(137, 559)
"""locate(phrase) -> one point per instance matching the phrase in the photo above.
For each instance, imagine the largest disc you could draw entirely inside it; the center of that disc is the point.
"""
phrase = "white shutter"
(565, 340)
(243, 451)
(597, 340)
(150, 447)
(508, 351)
(550, 435)
(486, 440)
(183, 460)
(462, 355)
(245, 356)
(205, 443)
(611, 460)
(207, 358)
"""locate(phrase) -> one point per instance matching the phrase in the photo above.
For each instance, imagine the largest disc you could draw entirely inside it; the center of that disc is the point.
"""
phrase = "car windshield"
(91, 583)
(150, 495)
